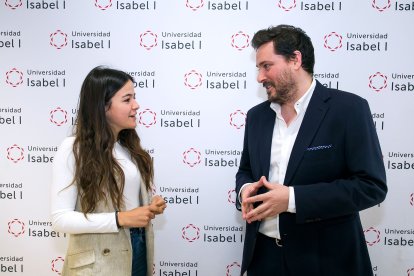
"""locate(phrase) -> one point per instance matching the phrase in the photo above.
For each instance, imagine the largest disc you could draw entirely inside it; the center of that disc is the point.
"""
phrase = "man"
(311, 161)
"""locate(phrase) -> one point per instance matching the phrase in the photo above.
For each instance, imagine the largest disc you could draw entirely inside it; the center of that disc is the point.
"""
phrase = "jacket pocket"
(324, 155)
(80, 259)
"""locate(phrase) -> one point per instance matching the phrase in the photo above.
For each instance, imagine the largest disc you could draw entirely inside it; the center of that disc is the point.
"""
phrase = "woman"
(102, 181)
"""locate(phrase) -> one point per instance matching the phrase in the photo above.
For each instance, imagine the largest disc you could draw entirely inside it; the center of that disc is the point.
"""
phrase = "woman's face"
(122, 109)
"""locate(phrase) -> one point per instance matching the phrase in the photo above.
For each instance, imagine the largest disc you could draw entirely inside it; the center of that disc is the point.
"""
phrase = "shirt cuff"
(292, 203)
(241, 190)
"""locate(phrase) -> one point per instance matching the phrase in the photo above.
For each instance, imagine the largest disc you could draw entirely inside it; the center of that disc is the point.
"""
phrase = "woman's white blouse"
(64, 197)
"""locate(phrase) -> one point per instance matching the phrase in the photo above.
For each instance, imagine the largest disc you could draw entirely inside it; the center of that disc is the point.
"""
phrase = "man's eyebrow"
(261, 63)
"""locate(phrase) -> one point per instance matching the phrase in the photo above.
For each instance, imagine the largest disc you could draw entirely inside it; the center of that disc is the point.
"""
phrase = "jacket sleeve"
(244, 173)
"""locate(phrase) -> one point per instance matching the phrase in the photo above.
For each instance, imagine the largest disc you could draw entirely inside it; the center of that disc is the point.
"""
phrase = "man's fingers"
(253, 199)
(256, 214)
(246, 208)
(259, 183)
(268, 185)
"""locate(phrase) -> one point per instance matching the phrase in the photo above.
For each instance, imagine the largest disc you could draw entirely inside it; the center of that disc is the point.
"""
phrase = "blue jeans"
(139, 252)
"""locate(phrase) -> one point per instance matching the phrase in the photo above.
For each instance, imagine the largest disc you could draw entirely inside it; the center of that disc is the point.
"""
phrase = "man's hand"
(274, 202)
(247, 192)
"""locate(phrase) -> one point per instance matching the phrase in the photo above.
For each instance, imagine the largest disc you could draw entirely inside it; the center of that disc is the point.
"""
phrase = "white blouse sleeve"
(64, 196)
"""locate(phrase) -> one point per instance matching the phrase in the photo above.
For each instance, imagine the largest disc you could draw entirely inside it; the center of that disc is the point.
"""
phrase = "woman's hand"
(138, 217)
(158, 205)
(142, 216)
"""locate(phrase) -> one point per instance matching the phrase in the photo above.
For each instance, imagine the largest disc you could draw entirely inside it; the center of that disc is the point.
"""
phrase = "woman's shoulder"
(67, 142)
(66, 146)
(64, 152)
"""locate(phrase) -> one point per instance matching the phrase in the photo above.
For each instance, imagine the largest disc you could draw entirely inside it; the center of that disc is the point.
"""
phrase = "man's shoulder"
(259, 107)
(339, 96)
(336, 93)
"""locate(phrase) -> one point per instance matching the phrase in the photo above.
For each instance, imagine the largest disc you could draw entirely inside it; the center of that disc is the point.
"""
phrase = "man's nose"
(260, 77)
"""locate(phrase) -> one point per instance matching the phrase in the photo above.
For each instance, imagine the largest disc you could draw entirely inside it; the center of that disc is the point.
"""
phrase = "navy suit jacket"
(336, 169)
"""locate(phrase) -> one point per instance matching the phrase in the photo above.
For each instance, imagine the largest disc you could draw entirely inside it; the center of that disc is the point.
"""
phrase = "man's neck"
(304, 81)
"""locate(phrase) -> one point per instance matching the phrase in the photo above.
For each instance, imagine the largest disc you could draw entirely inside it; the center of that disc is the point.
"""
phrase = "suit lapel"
(314, 115)
(265, 146)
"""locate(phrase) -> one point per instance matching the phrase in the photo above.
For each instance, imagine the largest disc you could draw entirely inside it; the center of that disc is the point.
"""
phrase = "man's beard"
(285, 89)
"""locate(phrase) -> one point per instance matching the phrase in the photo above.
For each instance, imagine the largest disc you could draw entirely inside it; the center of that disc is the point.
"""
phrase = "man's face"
(276, 74)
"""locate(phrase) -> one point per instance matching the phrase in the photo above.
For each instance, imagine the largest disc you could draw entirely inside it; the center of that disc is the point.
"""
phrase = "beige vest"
(106, 254)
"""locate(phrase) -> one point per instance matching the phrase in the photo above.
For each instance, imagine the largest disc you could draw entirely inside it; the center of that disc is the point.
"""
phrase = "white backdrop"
(196, 79)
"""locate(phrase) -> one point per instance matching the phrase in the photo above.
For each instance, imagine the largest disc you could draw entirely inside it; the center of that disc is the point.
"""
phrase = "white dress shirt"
(282, 143)
(63, 197)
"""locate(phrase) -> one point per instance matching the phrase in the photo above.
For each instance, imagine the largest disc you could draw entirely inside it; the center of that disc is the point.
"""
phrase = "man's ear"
(297, 59)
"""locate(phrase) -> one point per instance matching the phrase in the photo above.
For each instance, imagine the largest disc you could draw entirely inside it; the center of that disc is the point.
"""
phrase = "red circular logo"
(13, 4)
(193, 79)
(57, 265)
(191, 157)
(58, 116)
(378, 81)
(16, 227)
(383, 8)
(14, 77)
(58, 39)
(288, 6)
(240, 40)
(190, 233)
(233, 269)
(372, 236)
(194, 4)
(103, 4)
(154, 189)
(147, 118)
(332, 41)
(15, 153)
(148, 40)
(238, 119)
(231, 196)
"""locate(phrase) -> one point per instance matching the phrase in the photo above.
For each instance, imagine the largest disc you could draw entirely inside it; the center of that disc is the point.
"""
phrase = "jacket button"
(106, 252)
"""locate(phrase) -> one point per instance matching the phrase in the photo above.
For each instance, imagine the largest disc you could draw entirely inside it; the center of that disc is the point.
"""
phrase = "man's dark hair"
(286, 40)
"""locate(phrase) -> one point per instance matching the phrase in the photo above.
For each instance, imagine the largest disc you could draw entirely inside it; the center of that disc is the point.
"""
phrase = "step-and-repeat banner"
(195, 78)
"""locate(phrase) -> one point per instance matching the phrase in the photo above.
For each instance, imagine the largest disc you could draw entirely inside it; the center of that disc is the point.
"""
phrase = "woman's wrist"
(117, 219)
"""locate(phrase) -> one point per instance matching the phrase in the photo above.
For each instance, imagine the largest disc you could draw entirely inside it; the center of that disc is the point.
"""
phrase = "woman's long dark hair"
(98, 175)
